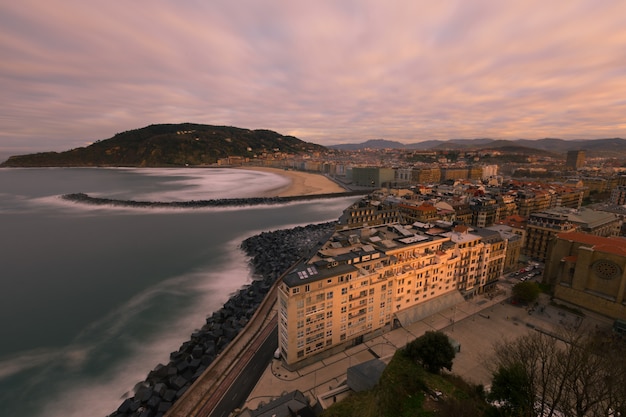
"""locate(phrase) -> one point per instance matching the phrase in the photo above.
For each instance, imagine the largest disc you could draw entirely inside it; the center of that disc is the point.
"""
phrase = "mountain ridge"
(598, 147)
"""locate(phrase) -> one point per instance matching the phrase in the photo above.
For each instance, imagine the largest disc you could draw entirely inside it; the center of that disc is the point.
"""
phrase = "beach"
(300, 183)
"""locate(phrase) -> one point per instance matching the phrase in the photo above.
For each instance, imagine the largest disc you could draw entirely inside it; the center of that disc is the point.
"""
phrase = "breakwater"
(222, 202)
(271, 254)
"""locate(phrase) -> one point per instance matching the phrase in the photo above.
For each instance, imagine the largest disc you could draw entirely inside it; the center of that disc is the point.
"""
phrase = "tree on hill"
(525, 292)
(433, 350)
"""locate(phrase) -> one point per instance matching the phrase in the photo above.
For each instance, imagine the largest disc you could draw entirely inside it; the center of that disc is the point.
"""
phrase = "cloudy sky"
(73, 71)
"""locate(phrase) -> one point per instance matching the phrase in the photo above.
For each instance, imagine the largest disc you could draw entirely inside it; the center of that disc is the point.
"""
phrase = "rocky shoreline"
(223, 202)
(271, 254)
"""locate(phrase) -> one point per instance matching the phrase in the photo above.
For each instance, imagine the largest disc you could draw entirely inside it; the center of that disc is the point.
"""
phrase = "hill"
(165, 145)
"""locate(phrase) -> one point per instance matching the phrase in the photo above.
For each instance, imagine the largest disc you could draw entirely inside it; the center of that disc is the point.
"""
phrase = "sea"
(94, 297)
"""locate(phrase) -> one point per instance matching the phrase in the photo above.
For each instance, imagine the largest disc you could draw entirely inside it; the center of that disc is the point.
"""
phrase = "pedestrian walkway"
(476, 324)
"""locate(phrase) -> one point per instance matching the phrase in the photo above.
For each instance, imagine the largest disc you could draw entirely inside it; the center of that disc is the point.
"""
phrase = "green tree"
(512, 390)
(526, 292)
(433, 350)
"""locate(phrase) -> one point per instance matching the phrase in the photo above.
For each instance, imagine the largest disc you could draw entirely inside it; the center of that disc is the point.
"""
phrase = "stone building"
(589, 271)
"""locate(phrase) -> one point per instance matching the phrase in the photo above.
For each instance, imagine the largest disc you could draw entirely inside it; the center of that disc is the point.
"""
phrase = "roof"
(285, 406)
(614, 245)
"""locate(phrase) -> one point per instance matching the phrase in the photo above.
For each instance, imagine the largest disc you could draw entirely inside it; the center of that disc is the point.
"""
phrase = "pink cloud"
(326, 71)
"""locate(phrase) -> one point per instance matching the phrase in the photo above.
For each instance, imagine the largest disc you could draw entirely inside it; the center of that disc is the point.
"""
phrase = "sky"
(325, 71)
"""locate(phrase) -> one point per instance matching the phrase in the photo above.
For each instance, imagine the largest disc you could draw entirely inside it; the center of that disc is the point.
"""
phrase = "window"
(329, 295)
(307, 288)
(295, 290)
(344, 291)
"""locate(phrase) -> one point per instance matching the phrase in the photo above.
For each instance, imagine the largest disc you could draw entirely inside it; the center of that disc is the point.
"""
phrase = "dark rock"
(125, 406)
(143, 393)
(169, 395)
(164, 406)
(153, 402)
(177, 382)
(181, 391)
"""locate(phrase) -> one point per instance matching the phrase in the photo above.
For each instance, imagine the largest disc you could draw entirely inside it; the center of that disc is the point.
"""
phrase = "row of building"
(381, 269)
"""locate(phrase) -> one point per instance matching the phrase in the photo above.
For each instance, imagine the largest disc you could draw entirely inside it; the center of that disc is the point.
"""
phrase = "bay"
(94, 297)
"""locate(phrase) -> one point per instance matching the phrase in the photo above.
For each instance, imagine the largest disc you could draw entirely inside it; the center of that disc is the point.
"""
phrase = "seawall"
(224, 202)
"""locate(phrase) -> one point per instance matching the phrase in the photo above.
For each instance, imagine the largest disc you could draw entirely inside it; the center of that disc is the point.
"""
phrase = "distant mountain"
(594, 147)
(370, 144)
(165, 145)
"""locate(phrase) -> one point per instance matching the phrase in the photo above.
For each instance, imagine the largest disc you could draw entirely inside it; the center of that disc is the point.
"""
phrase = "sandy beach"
(301, 183)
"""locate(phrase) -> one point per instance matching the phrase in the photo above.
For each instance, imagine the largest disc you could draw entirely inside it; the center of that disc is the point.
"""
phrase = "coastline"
(301, 183)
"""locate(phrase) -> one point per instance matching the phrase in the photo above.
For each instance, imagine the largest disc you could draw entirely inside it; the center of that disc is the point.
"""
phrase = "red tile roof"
(615, 245)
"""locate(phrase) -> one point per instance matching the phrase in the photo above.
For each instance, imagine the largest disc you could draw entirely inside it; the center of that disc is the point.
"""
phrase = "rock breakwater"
(271, 254)
(224, 202)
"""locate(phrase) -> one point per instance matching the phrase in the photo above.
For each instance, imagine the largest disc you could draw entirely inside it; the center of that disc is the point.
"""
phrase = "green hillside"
(406, 389)
(168, 145)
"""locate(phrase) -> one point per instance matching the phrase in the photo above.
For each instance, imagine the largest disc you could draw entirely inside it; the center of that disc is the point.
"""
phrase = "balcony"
(360, 313)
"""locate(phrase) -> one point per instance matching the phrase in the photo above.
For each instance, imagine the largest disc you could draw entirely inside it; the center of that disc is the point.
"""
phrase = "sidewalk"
(476, 324)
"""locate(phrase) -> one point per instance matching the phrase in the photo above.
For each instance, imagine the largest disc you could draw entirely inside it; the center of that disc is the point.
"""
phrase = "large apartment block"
(364, 281)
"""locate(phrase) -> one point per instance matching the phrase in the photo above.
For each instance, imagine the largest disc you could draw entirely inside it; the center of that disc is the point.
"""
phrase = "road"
(240, 379)
(246, 380)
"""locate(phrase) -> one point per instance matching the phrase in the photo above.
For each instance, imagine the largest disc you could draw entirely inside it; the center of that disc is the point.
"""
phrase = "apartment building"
(575, 159)
(424, 212)
(618, 195)
(544, 226)
(513, 246)
(374, 177)
(364, 281)
(368, 213)
(541, 228)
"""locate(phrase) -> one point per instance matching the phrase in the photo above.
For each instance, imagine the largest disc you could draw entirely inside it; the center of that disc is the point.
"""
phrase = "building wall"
(340, 308)
(575, 159)
(372, 176)
(539, 232)
(618, 195)
(589, 272)
(361, 289)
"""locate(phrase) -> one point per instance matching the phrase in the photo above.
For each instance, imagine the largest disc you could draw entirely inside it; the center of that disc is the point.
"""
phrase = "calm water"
(94, 297)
